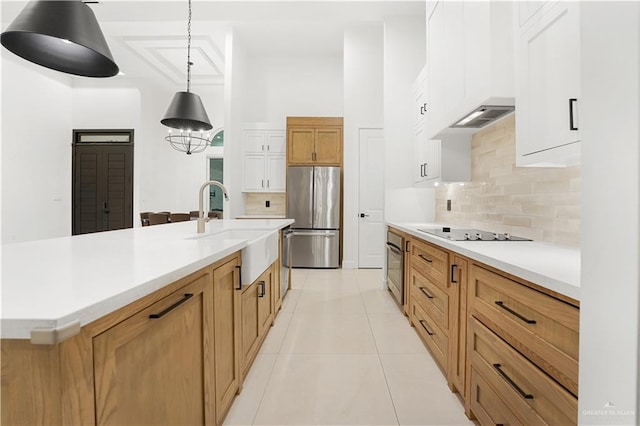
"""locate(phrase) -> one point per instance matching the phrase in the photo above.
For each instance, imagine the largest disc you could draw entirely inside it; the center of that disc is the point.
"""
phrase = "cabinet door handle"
(406, 246)
(514, 313)
(268, 148)
(422, 110)
(262, 181)
(186, 297)
(263, 289)
(453, 273)
(262, 148)
(239, 277)
(511, 382)
(572, 124)
(425, 258)
(424, 290)
(422, 170)
(425, 107)
(313, 156)
(267, 183)
(422, 323)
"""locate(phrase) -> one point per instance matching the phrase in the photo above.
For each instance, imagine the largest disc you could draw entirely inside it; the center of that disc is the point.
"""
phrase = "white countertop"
(48, 284)
(551, 266)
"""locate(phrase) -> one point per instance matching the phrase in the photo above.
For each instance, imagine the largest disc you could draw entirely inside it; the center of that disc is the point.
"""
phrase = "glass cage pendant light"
(60, 35)
(186, 113)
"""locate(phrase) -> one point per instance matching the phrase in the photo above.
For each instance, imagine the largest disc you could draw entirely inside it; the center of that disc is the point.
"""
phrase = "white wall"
(297, 85)
(363, 108)
(235, 95)
(610, 131)
(36, 151)
(405, 53)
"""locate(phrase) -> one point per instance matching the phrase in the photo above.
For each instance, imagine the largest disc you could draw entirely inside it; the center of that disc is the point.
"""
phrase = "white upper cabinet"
(470, 60)
(267, 141)
(436, 160)
(264, 160)
(547, 84)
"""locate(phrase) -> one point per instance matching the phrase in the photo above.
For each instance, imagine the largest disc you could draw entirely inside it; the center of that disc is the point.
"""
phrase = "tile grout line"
(278, 355)
(384, 373)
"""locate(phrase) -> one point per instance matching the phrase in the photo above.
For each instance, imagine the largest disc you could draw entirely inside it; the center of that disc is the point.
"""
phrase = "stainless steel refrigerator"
(313, 200)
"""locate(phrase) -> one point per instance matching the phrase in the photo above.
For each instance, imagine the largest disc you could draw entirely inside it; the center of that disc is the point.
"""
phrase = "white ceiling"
(150, 35)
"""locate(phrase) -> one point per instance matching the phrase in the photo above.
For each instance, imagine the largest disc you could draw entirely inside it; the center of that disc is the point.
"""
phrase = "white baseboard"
(349, 264)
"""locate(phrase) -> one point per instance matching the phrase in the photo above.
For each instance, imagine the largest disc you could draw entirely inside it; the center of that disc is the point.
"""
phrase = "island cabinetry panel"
(256, 316)
(523, 344)
(171, 357)
(226, 318)
(149, 369)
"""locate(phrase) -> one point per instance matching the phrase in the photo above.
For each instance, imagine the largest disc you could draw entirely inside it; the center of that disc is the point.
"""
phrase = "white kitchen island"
(138, 326)
(49, 284)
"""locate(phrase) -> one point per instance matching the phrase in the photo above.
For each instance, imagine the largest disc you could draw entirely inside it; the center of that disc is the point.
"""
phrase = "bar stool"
(158, 218)
(179, 217)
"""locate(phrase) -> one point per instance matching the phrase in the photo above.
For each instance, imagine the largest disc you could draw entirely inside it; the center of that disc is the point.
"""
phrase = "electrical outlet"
(448, 205)
(267, 203)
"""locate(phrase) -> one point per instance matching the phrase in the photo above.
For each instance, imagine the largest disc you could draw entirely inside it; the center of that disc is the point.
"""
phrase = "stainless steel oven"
(395, 266)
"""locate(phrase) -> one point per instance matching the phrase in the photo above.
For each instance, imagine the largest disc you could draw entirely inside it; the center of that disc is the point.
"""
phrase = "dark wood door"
(102, 187)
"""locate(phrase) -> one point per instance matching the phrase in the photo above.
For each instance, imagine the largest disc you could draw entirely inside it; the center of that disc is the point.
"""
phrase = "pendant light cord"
(189, 63)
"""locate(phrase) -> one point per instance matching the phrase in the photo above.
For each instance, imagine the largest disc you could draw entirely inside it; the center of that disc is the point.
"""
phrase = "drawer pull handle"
(424, 290)
(425, 258)
(454, 267)
(186, 297)
(422, 323)
(511, 382)
(239, 277)
(511, 311)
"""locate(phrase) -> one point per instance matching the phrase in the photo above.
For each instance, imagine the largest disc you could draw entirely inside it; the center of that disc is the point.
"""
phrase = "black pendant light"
(187, 114)
(61, 35)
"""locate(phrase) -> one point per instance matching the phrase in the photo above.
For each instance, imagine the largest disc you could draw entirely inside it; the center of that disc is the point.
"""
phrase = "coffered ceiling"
(148, 38)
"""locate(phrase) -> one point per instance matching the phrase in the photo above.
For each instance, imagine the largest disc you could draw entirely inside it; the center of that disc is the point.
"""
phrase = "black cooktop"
(457, 234)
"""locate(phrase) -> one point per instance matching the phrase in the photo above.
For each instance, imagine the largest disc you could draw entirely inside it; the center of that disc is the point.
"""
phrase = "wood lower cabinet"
(531, 395)
(249, 327)
(523, 343)
(149, 369)
(172, 357)
(256, 317)
(458, 278)
(507, 346)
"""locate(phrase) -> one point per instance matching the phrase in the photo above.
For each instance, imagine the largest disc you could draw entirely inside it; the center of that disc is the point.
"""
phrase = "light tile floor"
(342, 353)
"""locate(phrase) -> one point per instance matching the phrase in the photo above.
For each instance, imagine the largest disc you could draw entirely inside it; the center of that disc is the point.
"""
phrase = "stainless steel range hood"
(482, 116)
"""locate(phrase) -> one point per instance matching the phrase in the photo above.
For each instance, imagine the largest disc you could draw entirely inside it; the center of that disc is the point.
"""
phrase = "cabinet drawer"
(539, 326)
(487, 406)
(430, 262)
(435, 339)
(530, 393)
(431, 298)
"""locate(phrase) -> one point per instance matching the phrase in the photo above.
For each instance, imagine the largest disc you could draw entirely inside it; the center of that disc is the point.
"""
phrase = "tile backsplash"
(539, 203)
(255, 203)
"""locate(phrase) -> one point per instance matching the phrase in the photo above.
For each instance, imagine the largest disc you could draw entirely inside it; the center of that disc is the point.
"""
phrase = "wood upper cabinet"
(149, 368)
(314, 141)
(226, 321)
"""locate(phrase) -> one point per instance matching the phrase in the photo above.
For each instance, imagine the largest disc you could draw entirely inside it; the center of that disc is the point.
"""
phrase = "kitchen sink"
(261, 250)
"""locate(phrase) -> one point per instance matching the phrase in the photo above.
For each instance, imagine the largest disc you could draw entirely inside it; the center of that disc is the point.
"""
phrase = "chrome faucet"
(201, 219)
